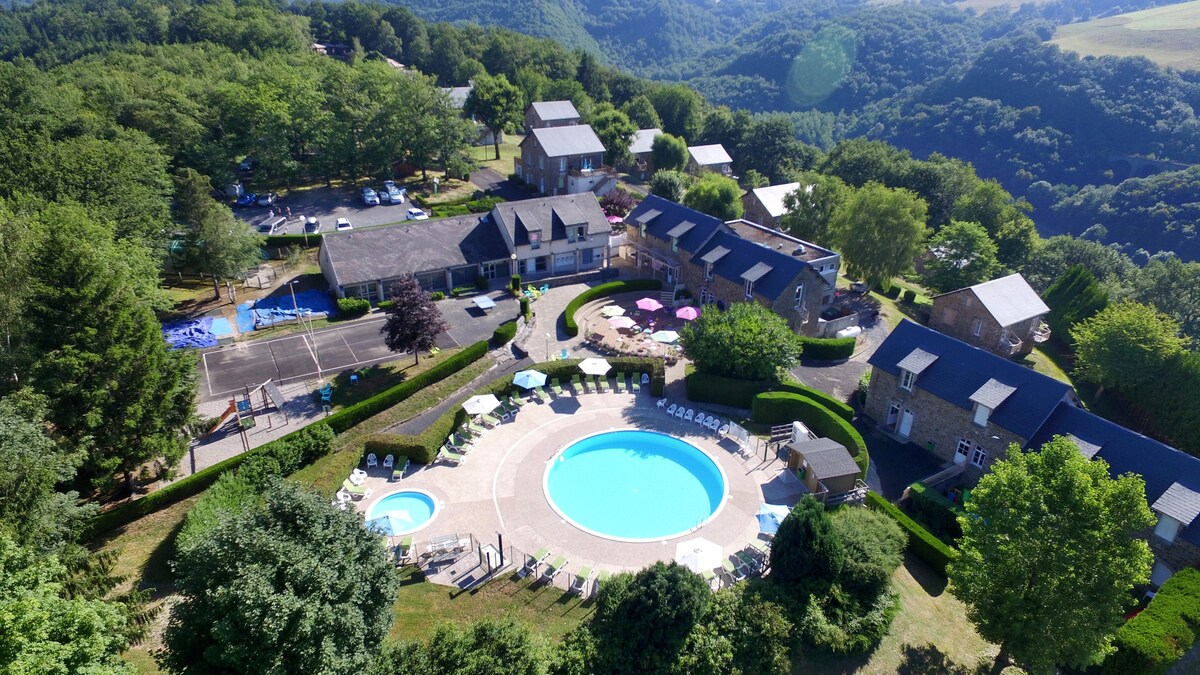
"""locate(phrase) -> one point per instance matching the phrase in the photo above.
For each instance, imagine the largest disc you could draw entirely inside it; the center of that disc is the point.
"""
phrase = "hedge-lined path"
(419, 423)
(499, 487)
(840, 378)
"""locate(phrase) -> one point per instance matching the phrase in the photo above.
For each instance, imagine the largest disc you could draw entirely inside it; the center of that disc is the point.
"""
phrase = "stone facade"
(937, 425)
(961, 315)
(534, 121)
(550, 174)
(755, 212)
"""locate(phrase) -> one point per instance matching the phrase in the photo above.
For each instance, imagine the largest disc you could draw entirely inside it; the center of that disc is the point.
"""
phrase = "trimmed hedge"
(338, 423)
(840, 408)
(289, 240)
(707, 388)
(922, 544)
(935, 510)
(1155, 639)
(504, 333)
(525, 307)
(603, 290)
(828, 349)
(352, 307)
(780, 407)
(910, 296)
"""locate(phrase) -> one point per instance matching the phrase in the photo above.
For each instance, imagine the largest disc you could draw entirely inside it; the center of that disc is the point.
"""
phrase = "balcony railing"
(1042, 333)
(576, 172)
(1010, 344)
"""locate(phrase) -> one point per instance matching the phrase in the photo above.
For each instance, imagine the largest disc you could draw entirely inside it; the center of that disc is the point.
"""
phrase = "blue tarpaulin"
(279, 309)
(190, 333)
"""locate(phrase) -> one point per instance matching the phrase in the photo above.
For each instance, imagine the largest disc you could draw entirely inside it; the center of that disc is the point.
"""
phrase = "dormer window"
(1167, 528)
(643, 230)
(981, 414)
(749, 289)
(1177, 508)
(907, 378)
(535, 240)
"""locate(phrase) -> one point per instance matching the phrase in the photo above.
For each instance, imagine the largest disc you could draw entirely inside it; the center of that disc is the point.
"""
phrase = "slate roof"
(577, 139)
(771, 197)
(748, 258)
(643, 141)
(708, 155)
(992, 394)
(1180, 503)
(1161, 466)
(917, 361)
(669, 216)
(550, 215)
(458, 95)
(961, 369)
(549, 111)
(1008, 299)
(370, 254)
(826, 457)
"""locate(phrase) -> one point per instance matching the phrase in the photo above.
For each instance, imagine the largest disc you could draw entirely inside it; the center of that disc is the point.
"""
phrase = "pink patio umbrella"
(687, 313)
(649, 304)
(621, 322)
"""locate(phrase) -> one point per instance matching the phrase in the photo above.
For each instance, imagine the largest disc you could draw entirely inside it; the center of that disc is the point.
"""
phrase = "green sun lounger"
(760, 546)
(556, 387)
(541, 394)
(709, 577)
(490, 420)
(578, 384)
(580, 582)
(516, 400)
(474, 428)
(588, 384)
(620, 383)
(533, 561)
(555, 567)
(398, 471)
(603, 383)
(358, 490)
(636, 383)
(449, 456)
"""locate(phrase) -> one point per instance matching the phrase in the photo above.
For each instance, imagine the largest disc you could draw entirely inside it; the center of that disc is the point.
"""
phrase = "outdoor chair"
(601, 579)
(516, 401)
(541, 395)
(389, 461)
(508, 408)
(450, 457)
(662, 402)
(458, 445)
(563, 354)
(749, 561)
(358, 476)
(404, 550)
(602, 382)
(554, 568)
(372, 460)
(761, 547)
(735, 573)
(532, 562)
(680, 412)
(709, 577)
(635, 383)
(355, 491)
(588, 385)
(326, 392)
(700, 420)
(398, 472)
(580, 581)
(556, 388)
(723, 431)
(489, 421)
(620, 383)
(672, 409)
(577, 384)
(687, 416)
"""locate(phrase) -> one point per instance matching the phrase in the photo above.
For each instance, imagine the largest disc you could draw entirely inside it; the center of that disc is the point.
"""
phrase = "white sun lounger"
(580, 581)
(533, 561)
(554, 568)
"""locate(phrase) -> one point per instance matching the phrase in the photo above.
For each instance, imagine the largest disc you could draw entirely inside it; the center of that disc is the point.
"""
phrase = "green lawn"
(509, 149)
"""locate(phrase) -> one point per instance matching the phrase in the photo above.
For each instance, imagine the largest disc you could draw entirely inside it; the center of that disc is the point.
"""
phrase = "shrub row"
(910, 296)
(338, 422)
(352, 307)
(603, 290)
(939, 514)
(839, 408)
(1157, 637)
(828, 349)
(289, 452)
(504, 333)
(707, 388)
(352, 415)
(386, 304)
(779, 407)
(289, 240)
(920, 541)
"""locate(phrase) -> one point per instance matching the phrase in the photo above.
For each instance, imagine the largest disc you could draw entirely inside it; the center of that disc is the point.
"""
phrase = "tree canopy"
(670, 185)
(746, 341)
(716, 195)
(413, 320)
(615, 131)
(1124, 345)
(880, 231)
(497, 105)
(960, 255)
(669, 153)
(811, 208)
(807, 552)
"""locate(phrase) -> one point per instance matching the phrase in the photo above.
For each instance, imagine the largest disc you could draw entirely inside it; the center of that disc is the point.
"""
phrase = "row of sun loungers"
(750, 561)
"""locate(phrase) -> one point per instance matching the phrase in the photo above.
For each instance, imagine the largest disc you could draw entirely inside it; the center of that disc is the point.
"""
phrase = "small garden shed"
(823, 464)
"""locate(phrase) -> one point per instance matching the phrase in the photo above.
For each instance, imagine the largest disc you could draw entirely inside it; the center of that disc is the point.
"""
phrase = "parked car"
(312, 225)
(385, 197)
(267, 199)
(271, 225)
(247, 199)
(394, 195)
(416, 214)
(369, 197)
(389, 185)
(248, 164)
(343, 224)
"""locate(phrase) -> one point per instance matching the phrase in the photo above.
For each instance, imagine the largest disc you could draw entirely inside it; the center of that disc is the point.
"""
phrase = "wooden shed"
(823, 462)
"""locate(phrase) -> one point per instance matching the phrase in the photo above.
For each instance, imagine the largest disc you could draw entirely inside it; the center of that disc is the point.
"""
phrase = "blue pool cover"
(190, 333)
(279, 309)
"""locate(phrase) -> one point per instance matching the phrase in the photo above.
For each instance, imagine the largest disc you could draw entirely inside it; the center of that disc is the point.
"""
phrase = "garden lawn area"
(378, 378)
(928, 615)
(509, 150)
(1043, 362)
(421, 606)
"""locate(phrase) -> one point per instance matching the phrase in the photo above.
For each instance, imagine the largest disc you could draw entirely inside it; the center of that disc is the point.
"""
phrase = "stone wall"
(954, 314)
(755, 212)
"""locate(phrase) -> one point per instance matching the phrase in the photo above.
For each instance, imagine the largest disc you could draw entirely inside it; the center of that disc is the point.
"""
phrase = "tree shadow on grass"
(931, 582)
(929, 660)
(155, 574)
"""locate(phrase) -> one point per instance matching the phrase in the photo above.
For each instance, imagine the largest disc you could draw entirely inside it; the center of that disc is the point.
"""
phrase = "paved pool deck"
(499, 488)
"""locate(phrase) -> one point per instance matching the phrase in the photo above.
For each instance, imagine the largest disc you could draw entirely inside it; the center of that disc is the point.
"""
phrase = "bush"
(504, 333)
(922, 544)
(864, 387)
(1155, 639)
(352, 307)
(840, 408)
(437, 295)
(828, 349)
(893, 292)
(383, 445)
(482, 205)
(781, 407)
(463, 290)
(289, 240)
(604, 290)
(525, 307)
(514, 283)
(229, 495)
(731, 391)
(386, 304)
(910, 296)
(939, 514)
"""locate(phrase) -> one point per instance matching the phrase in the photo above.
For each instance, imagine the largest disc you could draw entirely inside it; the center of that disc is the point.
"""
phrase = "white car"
(369, 197)
(416, 214)
(343, 224)
(392, 195)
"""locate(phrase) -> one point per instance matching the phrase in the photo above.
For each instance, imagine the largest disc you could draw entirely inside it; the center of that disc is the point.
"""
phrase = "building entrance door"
(906, 422)
(893, 415)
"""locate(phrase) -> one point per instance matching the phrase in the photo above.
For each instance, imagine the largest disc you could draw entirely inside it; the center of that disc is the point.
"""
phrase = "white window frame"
(800, 295)
(562, 164)
(963, 447)
(488, 270)
(981, 414)
(1167, 528)
(708, 271)
(907, 379)
(535, 239)
(979, 457)
(749, 289)
(977, 327)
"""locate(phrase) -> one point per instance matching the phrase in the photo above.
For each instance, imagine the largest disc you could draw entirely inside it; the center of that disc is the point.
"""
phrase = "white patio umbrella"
(595, 366)
(664, 336)
(391, 524)
(621, 322)
(649, 304)
(699, 555)
(528, 379)
(612, 310)
(481, 405)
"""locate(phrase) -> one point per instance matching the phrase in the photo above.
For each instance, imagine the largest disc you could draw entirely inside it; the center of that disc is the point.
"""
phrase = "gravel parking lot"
(327, 205)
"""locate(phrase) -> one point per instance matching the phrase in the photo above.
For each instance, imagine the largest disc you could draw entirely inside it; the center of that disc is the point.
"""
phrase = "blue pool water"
(634, 485)
(409, 510)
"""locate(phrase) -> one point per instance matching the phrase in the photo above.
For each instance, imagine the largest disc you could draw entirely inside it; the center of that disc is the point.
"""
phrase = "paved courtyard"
(498, 490)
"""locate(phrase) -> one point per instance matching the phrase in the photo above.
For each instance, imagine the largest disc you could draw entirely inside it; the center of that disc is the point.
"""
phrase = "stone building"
(764, 205)
(1004, 316)
(545, 114)
(641, 146)
(564, 160)
(967, 405)
(737, 261)
(709, 158)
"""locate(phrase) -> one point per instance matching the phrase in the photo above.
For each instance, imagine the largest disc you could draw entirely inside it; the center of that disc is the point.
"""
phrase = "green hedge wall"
(337, 423)
(352, 307)
(840, 408)
(289, 240)
(706, 388)
(780, 407)
(922, 544)
(828, 349)
(504, 333)
(1155, 639)
(611, 288)
(938, 513)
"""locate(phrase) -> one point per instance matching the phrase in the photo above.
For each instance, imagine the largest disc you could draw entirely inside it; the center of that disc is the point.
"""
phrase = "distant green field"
(1169, 35)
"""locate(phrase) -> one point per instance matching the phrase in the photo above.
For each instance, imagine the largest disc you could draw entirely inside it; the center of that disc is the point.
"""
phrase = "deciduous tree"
(1075, 296)
(669, 153)
(1124, 345)
(1173, 287)
(615, 131)
(1048, 556)
(811, 208)
(807, 552)
(960, 255)
(413, 320)
(218, 244)
(502, 647)
(880, 231)
(746, 341)
(641, 112)
(293, 586)
(716, 195)
(670, 185)
(497, 105)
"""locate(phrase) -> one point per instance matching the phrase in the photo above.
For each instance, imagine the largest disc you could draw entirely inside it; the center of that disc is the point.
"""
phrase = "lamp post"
(547, 346)
(512, 264)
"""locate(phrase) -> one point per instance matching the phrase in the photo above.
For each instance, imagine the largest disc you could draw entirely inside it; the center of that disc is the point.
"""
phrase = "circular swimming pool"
(634, 485)
(402, 512)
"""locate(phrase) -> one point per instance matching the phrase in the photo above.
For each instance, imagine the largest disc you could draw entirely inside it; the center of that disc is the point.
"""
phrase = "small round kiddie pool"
(402, 512)
(634, 486)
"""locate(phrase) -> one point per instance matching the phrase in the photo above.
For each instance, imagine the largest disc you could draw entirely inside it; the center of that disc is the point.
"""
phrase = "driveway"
(490, 179)
(894, 465)
(327, 205)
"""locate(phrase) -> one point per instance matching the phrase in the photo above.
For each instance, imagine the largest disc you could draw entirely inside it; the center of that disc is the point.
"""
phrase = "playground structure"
(244, 409)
